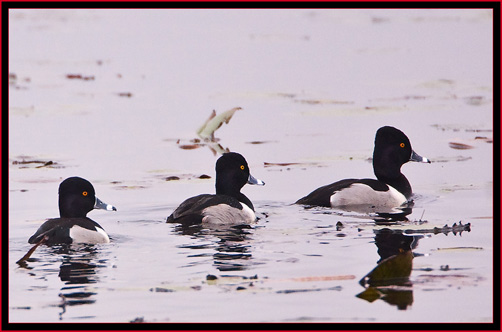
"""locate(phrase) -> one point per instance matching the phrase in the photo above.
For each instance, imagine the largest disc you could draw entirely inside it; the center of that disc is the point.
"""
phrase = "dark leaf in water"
(479, 130)
(378, 20)
(326, 102)
(21, 308)
(308, 101)
(286, 95)
(125, 94)
(484, 138)
(46, 164)
(460, 146)
(172, 178)
(475, 100)
(279, 164)
(189, 146)
(259, 142)
(415, 97)
(79, 77)
(22, 162)
(324, 278)
(42, 163)
(267, 164)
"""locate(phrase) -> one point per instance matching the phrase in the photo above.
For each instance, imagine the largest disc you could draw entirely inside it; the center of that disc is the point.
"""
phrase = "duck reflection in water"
(78, 269)
(389, 280)
(231, 244)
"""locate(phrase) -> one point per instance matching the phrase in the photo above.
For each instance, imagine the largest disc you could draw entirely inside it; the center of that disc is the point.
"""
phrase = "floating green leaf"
(206, 131)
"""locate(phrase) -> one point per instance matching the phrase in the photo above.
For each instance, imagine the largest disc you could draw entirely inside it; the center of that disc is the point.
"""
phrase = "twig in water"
(30, 252)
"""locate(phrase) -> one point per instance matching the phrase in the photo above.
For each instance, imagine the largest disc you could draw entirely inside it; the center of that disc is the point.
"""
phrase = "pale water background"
(314, 86)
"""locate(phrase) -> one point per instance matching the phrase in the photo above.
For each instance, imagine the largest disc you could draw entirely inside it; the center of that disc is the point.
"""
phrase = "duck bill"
(416, 157)
(103, 206)
(253, 180)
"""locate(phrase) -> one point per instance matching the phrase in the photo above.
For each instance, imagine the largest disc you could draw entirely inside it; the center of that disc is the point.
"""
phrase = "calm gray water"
(112, 95)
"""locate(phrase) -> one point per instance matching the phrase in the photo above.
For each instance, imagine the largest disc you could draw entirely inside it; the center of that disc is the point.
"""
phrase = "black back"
(57, 230)
(190, 211)
(322, 195)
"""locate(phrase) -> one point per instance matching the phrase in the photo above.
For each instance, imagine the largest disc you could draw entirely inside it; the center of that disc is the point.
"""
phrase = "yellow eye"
(402, 145)
(243, 167)
(84, 193)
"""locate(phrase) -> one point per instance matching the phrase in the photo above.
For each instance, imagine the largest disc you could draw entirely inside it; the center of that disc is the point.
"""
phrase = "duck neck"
(391, 175)
(225, 190)
(400, 183)
(243, 199)
(70, 207)
(222, 189)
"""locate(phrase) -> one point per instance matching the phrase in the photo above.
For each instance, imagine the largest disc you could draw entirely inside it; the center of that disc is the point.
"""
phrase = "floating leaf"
(206, 131)
(130, 187)
(475, 100)
(280, 164)
(124, 94)
(268, 164)
(460, 248)
(260, 142)
(189, 146)
(460, 146)
(79, 77)
(323, 278)
(41, 163)
(172, 178)
(484, 138)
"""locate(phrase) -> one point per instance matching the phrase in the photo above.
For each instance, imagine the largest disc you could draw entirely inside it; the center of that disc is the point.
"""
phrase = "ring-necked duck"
(391, 190)
(229, 206)
(76, 199)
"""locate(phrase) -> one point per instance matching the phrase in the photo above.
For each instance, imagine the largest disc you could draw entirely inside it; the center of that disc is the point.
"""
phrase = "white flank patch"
(361, 194)
(223, 214)
(84, 235)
